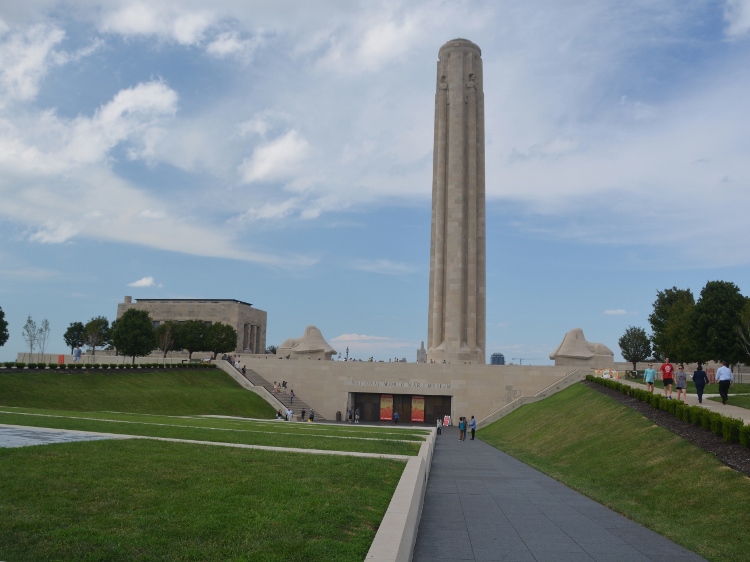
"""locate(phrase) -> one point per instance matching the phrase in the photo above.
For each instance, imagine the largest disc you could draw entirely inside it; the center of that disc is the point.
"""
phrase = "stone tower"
(457, 318)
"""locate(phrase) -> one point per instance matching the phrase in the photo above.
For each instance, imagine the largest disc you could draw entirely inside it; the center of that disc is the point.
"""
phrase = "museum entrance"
(411, 408)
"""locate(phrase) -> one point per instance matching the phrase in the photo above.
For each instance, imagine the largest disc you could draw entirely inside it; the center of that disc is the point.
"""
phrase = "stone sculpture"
(575, 351)
(312, 345)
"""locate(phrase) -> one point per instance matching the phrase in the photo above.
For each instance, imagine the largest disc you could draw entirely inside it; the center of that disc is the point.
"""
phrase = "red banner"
(386, 407)
(417, 409)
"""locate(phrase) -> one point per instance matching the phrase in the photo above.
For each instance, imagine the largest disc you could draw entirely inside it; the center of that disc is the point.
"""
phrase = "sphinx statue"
(575, 351)
(312, 345)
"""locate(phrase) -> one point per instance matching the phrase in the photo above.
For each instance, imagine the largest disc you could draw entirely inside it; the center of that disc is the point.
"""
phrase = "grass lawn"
(617, 457)
(146, 500)
(181, 392)
(276, 434)
(738, 388)
(739, 401)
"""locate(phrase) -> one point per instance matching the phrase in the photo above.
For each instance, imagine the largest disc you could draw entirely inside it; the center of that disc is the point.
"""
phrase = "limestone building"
(456, 330)
(249, 322)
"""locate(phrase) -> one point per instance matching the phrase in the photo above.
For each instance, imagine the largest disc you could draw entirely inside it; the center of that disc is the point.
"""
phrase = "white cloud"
(25, 58)
(616, 312)
(386, 267)
(230, 43)
(737, 16)
(169, 22)
(143, 282)
(277, 159)
(346, 338)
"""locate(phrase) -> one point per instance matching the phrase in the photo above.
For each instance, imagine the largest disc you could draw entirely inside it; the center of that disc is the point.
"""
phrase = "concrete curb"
(395, 539)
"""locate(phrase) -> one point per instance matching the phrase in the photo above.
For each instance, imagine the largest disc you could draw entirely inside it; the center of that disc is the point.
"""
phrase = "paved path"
(692, 399)
(482, 504)
(25, 436)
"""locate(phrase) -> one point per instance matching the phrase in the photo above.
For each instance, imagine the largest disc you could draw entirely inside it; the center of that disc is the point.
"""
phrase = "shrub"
(52, 366)
(745, 435)
(113, 365)
(32, 365)
(670, 406)
(79, 366)
(679, 410)
(655, 400)
(706, 420)
(730, 428)
(96, 366)
(20, 365)
(696, 414)
(121, 365)
(716, 422)
(104, 365)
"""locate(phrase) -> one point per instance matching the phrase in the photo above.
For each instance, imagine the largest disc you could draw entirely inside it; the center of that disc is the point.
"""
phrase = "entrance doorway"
(369, 405)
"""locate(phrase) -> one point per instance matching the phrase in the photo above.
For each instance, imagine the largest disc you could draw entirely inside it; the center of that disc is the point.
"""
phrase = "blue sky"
(280, 153)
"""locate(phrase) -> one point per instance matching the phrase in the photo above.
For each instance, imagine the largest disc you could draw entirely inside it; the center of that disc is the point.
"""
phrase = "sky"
(280, 153)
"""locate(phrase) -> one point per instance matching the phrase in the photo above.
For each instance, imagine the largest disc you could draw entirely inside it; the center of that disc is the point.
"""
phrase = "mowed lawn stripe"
(146, 500)
(300, 441)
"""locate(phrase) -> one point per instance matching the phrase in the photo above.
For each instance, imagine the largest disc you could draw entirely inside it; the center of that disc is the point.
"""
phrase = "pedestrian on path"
(356, 415)
(726, 379)
(681, 379)
(349, 414)
(439, 425)
(312, 415)
(291, 396)
(395, 418)
(649, 375)
(667, 372)
(303, 414)
(700, 378)
(461, 429)
(473, 426)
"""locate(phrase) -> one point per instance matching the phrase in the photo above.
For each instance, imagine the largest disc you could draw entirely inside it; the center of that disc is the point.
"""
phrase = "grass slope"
(145, 500)
(182, 392)
(617, 457)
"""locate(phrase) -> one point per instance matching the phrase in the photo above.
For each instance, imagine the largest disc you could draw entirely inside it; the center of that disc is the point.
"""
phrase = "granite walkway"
(482, 504)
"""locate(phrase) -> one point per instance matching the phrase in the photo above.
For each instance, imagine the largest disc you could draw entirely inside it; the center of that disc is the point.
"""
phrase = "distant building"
(422, 354)
(249, 322)
(497, 359)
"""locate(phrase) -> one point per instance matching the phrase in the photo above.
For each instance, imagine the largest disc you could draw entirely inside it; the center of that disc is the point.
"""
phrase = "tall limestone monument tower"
(457, 319)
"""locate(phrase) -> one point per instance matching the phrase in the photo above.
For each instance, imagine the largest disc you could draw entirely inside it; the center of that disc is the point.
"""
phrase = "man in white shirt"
(725, 379)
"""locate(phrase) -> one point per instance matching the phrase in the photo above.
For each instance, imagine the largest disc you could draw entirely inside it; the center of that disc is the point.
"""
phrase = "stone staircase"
(282, 397)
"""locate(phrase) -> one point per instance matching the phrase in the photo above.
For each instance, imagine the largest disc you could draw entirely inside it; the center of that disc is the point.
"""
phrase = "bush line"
(100, 366)
(733, 430)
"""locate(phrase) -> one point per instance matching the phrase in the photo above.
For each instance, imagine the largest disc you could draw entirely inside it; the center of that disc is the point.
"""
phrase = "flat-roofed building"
(249, 322)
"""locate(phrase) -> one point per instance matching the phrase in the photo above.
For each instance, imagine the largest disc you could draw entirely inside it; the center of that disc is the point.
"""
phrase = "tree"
(4, 335)
(635, 345)
(166, 337)
(718, 312)
(743, 329)
(271, 349)
(43, 336)
(662, 330)
(97, 333)
(221, 338)
(192, 335)
(679, 334)
(73, 336)
(30, 333)
(133, 334)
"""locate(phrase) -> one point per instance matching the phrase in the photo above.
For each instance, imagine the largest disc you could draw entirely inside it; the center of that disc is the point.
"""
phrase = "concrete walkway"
(482, 504)
(16, 436)
(692, 400)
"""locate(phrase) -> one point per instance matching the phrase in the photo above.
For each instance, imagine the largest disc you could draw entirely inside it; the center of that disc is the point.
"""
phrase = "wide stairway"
(282, 397)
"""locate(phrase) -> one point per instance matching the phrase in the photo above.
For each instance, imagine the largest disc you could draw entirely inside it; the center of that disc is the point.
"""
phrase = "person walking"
(667, 374)
(649, 375)
(395, 418)
(439, 425)
(311, 417)
(681, 382)
(356, 415)
(349, 414)
(700, 378)
(725, 378)
(291, 396)
(303, 414)
(77, 354)
(461, 429)
(473, 426)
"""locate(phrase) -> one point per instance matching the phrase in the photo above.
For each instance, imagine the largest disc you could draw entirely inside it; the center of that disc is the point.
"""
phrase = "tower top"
(454, 43)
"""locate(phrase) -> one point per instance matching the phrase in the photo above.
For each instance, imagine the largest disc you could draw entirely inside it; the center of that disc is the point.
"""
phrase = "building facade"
(249, 322)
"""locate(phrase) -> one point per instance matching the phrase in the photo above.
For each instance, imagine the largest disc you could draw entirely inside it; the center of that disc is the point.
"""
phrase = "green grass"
(146, 500)
(182, 392)
(617, 457)
(739, 401)
(274, 434)
(738, 388)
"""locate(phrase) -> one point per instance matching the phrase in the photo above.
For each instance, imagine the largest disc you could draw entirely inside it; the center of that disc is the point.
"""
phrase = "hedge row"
(732, 429)
(88, 366)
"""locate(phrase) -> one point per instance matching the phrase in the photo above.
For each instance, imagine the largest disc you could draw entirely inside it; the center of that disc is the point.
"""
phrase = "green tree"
(97, 333)
(679, 334)
(4, 335)
(635, 345)
(271, 349)
(166, 337)
(718, 312)
(221, 338)
(73, 336)
(743, 330)
(193, 336)
(30, 334)
(133, 334)
(662, 330)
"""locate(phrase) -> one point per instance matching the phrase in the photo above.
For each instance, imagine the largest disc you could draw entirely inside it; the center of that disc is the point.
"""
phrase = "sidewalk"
(692, 400)
(482, 504)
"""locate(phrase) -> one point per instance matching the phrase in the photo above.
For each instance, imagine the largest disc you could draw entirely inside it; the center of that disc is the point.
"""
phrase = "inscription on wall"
(385, 384)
